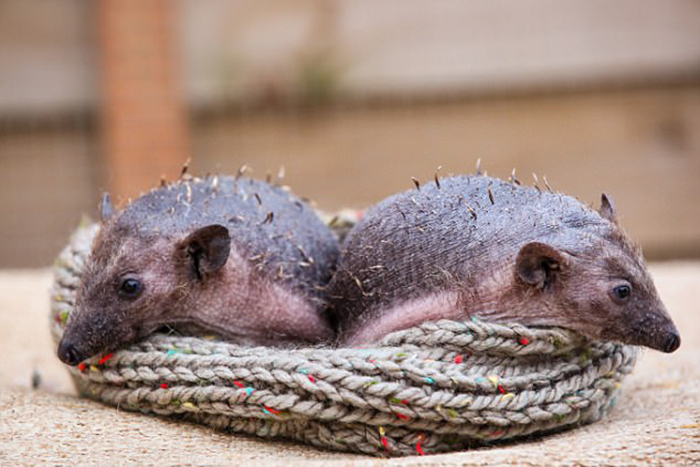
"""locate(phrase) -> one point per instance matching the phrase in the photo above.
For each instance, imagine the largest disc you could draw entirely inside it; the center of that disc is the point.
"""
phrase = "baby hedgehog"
(471, 246)
(233, 256)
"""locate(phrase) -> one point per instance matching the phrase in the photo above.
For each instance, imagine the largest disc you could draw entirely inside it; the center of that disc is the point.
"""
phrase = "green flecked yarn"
(441, 386)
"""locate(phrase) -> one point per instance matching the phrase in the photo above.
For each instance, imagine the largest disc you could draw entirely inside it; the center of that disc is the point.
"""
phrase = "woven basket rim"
(441, 386)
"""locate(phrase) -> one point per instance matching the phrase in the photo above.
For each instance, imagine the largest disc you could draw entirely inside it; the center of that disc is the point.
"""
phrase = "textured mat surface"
(657, 420)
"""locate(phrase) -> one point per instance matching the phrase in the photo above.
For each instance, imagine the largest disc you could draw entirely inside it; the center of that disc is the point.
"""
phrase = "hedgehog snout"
(68, 353)
(673, 341)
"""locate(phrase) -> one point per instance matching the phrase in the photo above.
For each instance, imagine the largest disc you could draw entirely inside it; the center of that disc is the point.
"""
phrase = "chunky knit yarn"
(438, 387)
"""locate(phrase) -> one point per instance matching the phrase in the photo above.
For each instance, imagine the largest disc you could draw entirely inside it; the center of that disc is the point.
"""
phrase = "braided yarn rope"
(441, 386)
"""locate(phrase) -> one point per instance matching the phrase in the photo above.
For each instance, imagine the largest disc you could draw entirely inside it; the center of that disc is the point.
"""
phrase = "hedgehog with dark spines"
(233, 256)
(476, 246)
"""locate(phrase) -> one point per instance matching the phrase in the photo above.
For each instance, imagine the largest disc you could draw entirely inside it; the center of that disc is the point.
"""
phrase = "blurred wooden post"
(144, 125)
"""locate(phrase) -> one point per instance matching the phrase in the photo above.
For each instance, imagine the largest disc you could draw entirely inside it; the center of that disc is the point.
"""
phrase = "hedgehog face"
(134, 285)
(603, 292)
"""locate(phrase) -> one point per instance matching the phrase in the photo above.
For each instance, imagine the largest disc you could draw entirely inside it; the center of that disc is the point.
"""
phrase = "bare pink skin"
(484, 303)
(443, 305)
(497, 299)
(248, 302)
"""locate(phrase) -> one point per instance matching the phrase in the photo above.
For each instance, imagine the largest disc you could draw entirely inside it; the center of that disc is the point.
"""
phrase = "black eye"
(622, 292)
(130, 288)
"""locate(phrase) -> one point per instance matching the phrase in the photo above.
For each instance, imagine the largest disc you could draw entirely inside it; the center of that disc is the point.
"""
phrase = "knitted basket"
(438, 387)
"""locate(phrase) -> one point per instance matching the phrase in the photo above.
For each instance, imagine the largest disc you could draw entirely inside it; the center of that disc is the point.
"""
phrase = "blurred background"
(352, 98)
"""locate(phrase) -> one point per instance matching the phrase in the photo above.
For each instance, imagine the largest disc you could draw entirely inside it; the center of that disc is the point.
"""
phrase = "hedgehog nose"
(68, 354)
(672, 342)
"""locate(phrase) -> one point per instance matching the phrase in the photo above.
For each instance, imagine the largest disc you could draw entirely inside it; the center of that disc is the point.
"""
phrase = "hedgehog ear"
(607, 208)
(539, 264)
(106, 209)
(205, 250)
